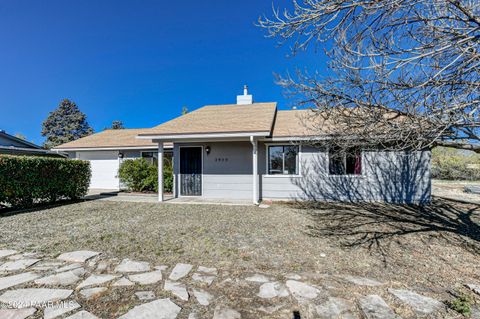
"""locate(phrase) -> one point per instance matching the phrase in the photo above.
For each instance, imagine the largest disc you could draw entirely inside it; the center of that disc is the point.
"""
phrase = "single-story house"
(107, 149)
(253, 151)
(12, 145)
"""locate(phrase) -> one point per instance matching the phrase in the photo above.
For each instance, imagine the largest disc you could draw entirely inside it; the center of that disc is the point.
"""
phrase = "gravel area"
(455, 190)
(435, 248)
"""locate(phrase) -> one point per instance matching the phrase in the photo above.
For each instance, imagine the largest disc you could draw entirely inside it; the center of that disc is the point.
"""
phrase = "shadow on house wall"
(396, 177)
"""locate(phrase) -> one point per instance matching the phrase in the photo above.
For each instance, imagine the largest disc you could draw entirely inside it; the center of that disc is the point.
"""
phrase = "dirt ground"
(433, 249)
(455, 190)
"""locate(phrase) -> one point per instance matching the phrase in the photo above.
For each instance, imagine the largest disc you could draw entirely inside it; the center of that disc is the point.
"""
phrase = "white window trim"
(299, 162)
(361, 175)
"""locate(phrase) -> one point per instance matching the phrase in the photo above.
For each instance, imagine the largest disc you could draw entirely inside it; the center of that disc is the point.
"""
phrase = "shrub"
(450, 164)
(28, 180)
(138, 175)
(462, 304)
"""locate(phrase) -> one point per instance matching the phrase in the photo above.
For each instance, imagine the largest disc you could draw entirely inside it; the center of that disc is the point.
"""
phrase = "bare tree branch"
(419, 59)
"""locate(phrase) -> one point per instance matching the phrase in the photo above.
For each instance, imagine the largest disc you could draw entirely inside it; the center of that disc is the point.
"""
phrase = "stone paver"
(79, 256)
(272, 290)
(147, 278)
(362, 281)
(123, 282)
(48, 265)
(83, 315)
(222, 312)
(96, 280)
(158, 309)
(128, 265)
(207, 279)
(92, 292)
(475, 288)
(258, 278)
(62, 279)
(7, 252)
(18, 264)
(16, 257)
(204, 298)
(206, 270)
(102, 266)
(28, 297)
(145, 295)
(176, 288)
(301, 291)
(180, 271)
(17, 313)
(374, 307)
(60, 309)
(335, 308)
(69, 267)
(14, 280)
(421, 304)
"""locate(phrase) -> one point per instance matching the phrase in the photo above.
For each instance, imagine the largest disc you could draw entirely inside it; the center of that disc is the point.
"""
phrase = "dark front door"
(191, 171)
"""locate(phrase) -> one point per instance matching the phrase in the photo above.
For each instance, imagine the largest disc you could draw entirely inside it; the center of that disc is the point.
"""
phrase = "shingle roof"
(295, 123)
(230, 118)
(110, 138)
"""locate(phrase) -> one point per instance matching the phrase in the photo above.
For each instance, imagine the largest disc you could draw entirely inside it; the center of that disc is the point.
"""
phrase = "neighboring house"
(13, 145)
(256, 152)
(106, 150)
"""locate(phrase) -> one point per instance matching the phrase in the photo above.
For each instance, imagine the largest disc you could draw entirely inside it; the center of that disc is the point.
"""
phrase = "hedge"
(28, 180)
(140, 176)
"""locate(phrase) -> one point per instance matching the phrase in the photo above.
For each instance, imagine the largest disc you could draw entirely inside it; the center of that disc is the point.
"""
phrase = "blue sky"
(134, 61)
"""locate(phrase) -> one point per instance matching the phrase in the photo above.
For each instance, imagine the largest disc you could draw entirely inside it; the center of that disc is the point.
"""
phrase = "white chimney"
(245, 98)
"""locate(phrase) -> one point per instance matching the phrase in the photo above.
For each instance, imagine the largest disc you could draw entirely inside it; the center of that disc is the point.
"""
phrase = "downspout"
(254, 143)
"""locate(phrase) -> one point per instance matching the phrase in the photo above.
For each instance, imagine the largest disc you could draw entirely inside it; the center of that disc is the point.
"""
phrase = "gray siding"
(386, 176)
(227, 170)
(402, 177)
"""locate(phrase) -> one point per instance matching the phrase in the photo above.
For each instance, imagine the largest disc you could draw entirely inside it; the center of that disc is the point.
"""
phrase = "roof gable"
(229, 118)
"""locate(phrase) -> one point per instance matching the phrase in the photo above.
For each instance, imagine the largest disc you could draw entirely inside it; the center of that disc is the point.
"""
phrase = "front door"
(190, 171)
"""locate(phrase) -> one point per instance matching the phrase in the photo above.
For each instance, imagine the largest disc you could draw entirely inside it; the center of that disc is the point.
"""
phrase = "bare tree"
(405, 73)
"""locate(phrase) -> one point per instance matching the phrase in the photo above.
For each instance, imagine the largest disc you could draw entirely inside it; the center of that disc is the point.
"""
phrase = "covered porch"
(213, 171)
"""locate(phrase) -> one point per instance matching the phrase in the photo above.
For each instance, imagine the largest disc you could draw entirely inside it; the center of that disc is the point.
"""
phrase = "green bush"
(138, 175)
(462, 304)
(451, 164)
(28, 180)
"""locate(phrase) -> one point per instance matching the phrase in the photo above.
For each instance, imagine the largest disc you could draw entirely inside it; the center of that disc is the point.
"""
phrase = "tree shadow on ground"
(375, 226)
(6, 211)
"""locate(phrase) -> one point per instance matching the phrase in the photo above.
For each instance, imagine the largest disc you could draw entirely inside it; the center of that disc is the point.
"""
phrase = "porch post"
(160, 171)
(255, 169)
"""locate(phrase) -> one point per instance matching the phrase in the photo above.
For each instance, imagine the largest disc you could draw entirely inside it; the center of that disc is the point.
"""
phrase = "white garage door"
(104, 165)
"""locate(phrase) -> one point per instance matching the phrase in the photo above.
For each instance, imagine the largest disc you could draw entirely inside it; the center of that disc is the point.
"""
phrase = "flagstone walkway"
(84, 285)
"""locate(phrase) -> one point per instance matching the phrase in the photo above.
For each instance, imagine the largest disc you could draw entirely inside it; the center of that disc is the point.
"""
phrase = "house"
(107, 149)
(253, 151)
(12, 145)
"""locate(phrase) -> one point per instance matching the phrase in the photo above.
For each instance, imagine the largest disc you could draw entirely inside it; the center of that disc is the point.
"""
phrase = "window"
(345, 162)
(283, 160)
(151, 157)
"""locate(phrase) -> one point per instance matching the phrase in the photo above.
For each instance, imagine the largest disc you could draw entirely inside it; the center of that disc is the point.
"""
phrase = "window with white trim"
(283, 160)
(151, 157)
(344, 162)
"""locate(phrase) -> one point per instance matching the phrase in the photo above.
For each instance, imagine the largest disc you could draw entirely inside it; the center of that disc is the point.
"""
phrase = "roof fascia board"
(200, 136)
(19, 140)
(78, 149)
